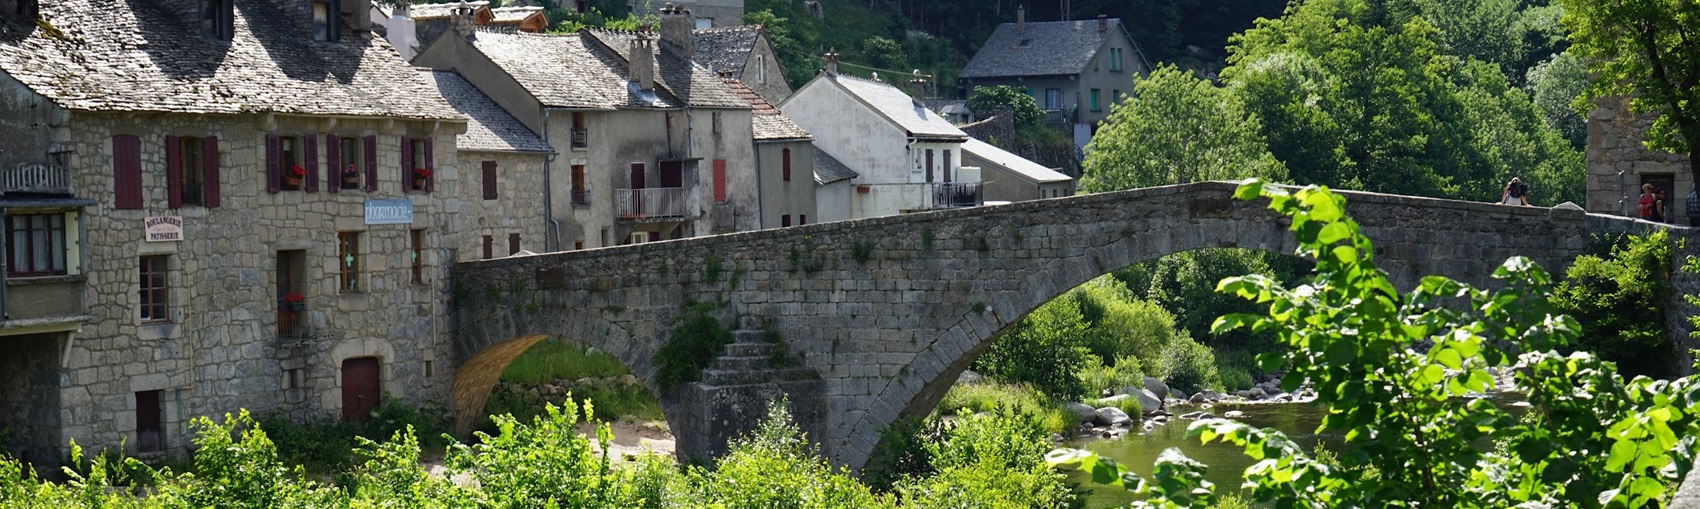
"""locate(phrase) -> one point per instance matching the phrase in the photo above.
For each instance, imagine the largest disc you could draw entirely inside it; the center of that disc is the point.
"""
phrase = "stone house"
(518, 19)
(747, 54)
(1075, 70)
(906, 157)
(181, 241)
(643, 135)
(504, 213)
(1011, 178)
(702, 13)
(785, 164)
(1618, 164)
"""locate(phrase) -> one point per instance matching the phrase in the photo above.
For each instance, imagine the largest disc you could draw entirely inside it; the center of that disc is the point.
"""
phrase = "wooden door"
(672, 174)
(360, 390)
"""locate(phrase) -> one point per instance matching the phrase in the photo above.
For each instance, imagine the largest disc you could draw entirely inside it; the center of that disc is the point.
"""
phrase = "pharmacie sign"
(389, 211)
(164, 228)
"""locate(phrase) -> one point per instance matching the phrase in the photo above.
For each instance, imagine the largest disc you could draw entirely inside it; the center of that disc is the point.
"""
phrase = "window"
(581, 136)
(946, 166)
(577, 245)
(191, 170)
(1115, 95)
(349, 158)
(929, 166)
(785, 220)
(37, 243)
(1053, 98)
(489, 247)
(581, 191)
(216, 20)
(513, 244)
(291, 282)
(416, 250)
(416, 165)
(127, 172)
(156, 289)
(1095, 100)
(289, 156)
(489, 180)
(785, 163)
(348, 261)
(802, 219)
(719, 180)
(1116, 59)
(150, 426)
(702, 23)
(761, 69)
(324, 20)
(716, 123)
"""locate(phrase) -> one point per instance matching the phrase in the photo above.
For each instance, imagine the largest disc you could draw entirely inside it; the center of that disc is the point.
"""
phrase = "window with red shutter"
(430, 166)
(407, 164)
(127, 172)
(311, 143)
(785, 162)
(719, 180)
(274, 163)
(209, 172)
(173, 172)
(489, 180)
(785, 220)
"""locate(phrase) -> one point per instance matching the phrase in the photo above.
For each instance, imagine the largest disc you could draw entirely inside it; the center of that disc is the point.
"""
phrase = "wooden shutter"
(274, 157)
(489, 180)
(719, 180)
(489, 244)
(333, 163)
(372, 163)
(209, 172)
(173, 172)
(513, 243)
(311, 143)
(406, 164)
(785, 162)
(430, 183)
(127, 172)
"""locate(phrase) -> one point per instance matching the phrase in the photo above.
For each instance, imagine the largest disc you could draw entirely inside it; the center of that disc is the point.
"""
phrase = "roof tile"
(1041, 49)
(490, 128)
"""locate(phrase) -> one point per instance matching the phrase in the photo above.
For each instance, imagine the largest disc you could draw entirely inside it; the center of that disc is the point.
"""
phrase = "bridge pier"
(736, 393)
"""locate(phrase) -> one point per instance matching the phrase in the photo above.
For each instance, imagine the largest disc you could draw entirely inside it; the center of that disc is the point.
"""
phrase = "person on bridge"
(1644, 206)
(1659, 206)
(1516, 193)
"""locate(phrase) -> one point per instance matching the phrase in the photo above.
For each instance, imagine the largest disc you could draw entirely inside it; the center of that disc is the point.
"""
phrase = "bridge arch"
(887, 311)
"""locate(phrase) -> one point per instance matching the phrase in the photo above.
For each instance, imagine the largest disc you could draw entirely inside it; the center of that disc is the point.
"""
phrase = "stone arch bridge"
(879, 316)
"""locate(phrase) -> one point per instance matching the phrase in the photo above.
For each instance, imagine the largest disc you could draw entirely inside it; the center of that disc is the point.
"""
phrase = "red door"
(637, 183)
(360, 390)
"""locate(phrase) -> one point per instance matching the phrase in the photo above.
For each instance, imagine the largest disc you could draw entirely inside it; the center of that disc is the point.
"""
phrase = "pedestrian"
(1515, 193)
(1644, 206)
(1659, 205)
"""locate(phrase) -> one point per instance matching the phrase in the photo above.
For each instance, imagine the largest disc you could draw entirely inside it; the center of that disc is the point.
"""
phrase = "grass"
(974, 398)
(553, 359)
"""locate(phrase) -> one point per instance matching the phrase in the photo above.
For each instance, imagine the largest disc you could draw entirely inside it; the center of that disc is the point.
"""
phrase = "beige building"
(1012, 178)
(501, 209)
(644, 136)
(1618, 164)
(785, 164)
(258, 214)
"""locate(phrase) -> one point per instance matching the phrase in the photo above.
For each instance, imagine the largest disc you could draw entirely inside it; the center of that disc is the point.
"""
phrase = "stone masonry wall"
(517, 208)
(1614, 145)
(889, 310)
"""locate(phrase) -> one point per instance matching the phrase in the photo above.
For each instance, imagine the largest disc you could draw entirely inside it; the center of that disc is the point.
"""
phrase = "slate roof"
(976, 149)
(678, 76)
(1042, 49)
(104, 55)
(767, 122)
(513, 14)
(726, 48)
(489, 128)
(428, 11)
(899, 107)
(557, 69)
(828, 169)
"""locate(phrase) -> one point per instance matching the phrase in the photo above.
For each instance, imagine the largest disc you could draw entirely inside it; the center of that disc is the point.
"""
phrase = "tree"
(1174, 129)
(1648, 50)
(1043, 350)
(990, 100)
(1555, 84)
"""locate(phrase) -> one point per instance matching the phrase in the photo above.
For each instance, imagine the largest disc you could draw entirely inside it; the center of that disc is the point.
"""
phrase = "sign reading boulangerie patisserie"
(164, 228)
(389, 211)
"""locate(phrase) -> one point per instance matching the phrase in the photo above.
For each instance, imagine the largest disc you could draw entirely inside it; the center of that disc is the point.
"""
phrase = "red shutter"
(406, 164)
(489, 180)
(785, 162)
(719, 180)
(173, 172)
(333, 163)
(127, 172)
(372, 163)
(785, 220)
(488, 243)
(513, 243)
(273, 171)
(312, 146)
(430, 183)
(209, 166)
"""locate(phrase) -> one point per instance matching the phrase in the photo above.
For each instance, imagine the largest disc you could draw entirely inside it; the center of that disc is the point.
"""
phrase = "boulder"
(1177, 394)
(1198, 415)
(1234, 414)
(1112, 416)
(1257, 393)
(1198, 398)
(1157, 387)
(1081, 411)
(1148, 402)
(969, 377)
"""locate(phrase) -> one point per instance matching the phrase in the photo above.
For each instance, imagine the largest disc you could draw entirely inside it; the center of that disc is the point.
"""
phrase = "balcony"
(42, 304)
(581, 196)
(960, 194)
(581, 139)
(653, 204)
(36, 178)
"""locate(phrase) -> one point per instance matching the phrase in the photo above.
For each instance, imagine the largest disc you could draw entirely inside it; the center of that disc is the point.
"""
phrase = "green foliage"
(1554, 85)
(545, 463)
(691, 345)
(1041, 350)
(325, 445)
(1191, 365)
(969, 399)
(1620, 300)
(553, 359)
(1099, 377)
(1412, 434)
(711, 268)
(1127, 405)
(1185, 285)
(989, 461)
(775, 467)
(1174, 129)
(237, 466)
(990, 100)
(1237, 369)
(1643, 49)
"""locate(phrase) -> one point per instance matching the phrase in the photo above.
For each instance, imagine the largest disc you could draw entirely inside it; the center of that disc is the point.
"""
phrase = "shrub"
(994, 398)
(553, 359)
(993, 461)
(326, 445)
(1192, 366)
(1042, 350)
(1129, 406)
(1237, 369)
(776, 467)
(691, 345)
(1620, 300)
(1100, 378)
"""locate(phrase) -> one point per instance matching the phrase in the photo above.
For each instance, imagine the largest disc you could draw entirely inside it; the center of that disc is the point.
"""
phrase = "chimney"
(403, 32)
(1103, 22)
(676, 25)
(1021, 19)
(461, 17)
(642, 62)
(917, 89)
(832, 63)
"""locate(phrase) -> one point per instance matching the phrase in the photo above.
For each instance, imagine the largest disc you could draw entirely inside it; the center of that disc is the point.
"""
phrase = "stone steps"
(721, 377)
(754, 363)
(749, 350)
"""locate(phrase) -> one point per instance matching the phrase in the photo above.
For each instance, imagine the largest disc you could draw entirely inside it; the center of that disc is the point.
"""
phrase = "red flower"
(296, 172)
(293, 298)
(421, 173)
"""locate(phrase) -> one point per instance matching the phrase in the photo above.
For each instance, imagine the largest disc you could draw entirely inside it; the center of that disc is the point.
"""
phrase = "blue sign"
(389, 211)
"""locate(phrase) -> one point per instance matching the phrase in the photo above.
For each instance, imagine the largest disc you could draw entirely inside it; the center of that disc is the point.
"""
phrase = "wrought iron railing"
(581, 196)
(959, 194)
(661, 203)
(36, 178)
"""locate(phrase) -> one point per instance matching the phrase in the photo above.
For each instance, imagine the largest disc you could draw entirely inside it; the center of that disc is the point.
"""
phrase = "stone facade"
(1618, 164)
(513, 220)
(888, 311)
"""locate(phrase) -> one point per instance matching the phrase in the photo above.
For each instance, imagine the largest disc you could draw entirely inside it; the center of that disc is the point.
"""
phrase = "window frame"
(290, 154)
(348, 262)
(154, 294)
(55, 223)
(1116, 60)
(416, 247)
(353, 154)
(217, 19)
(192, 183)
(1095, 102)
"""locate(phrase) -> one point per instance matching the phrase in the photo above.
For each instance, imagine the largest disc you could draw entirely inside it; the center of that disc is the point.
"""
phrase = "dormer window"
(324, 20)
(218, 19)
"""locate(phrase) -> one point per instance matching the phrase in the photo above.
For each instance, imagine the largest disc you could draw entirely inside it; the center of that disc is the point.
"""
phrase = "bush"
(326, 445)
(1043, 350)
(691, 345)
(1192, 366)
(775, 467)
(965, 400)
(1100, 378)
(1237, 369)
(1620, 300)
(990, 461)
(1128, 405)
(553, 359)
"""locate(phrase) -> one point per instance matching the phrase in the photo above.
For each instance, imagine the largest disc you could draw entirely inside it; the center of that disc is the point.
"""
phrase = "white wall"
(832, 201)
(851, 131)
